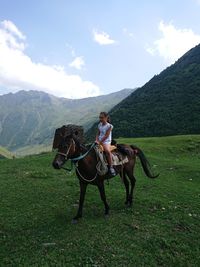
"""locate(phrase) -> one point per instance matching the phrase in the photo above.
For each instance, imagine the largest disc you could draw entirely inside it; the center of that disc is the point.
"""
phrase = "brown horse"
(85, 159)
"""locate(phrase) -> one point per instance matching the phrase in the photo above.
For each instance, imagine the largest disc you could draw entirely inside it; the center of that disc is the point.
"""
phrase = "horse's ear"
(57, 138)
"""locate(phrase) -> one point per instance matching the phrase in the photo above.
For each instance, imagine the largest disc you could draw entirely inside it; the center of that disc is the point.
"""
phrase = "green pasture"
(161, 229)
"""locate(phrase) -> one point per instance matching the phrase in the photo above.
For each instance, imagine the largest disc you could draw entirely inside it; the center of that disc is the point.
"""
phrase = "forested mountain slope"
(169, 104)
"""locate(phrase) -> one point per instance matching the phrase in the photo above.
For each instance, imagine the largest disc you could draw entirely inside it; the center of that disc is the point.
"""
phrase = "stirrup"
(112, 171)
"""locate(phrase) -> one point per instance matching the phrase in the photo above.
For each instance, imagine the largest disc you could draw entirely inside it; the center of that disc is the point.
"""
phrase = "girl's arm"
(97, 136)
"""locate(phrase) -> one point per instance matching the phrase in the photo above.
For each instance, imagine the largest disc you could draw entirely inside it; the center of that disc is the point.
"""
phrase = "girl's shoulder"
(106, 126)
(110, 125)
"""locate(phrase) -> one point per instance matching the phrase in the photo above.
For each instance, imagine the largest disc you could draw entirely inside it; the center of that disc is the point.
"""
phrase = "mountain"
(169, 104)
(30, 118)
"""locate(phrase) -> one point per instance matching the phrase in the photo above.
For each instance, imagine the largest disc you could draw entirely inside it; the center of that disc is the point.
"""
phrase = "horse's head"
(66, 141)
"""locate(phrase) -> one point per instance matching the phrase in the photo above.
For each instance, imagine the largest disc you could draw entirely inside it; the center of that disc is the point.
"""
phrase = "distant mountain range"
(169, 104)
(30, 118)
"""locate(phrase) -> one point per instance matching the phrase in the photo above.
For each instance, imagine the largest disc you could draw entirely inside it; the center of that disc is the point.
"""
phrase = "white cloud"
(102, 38)
(127, 32)
(18, 71)
(150, 50)
(12, 28)
(77, 63)
(173, 43)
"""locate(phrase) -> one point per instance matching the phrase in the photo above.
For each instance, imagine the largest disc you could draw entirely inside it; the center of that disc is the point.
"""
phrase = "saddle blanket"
(119, 159)
(102, 165)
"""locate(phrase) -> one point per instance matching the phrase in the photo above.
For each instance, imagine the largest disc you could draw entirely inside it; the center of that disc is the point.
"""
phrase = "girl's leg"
(109, 158)
(108, 153)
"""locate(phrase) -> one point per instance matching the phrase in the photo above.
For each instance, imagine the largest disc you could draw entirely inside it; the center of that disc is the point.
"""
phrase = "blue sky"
(75, 49)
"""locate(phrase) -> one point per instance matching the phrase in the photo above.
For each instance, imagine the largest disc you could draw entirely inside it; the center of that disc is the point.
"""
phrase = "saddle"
(118, 159)
(112, 148)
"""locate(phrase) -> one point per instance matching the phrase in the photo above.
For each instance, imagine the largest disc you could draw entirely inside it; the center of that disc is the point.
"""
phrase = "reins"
(84, 155)
(74, 161)
(86, 180)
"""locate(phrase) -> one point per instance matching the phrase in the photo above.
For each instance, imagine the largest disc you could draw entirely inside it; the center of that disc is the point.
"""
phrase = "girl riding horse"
(104, 138)
(68, 141)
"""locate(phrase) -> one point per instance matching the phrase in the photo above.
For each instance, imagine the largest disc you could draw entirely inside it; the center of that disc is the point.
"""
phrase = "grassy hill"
(161, 229)
(4, 153)
(33, 150)
(30, 118)
(168, 104)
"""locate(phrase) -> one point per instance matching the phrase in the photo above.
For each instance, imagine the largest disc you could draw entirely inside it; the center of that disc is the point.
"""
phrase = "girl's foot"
(112, 171)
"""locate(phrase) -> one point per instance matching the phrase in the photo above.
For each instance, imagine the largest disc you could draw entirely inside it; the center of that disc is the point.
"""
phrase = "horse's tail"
(145, 163)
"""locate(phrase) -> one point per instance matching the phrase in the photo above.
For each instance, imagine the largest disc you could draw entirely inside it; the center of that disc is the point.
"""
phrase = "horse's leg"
(132, 179)
(83, 187)
(126, 183)
(103, 197)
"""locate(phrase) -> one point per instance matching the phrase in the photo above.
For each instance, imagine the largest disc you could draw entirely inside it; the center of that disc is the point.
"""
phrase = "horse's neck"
(83, 149)
(88, 162)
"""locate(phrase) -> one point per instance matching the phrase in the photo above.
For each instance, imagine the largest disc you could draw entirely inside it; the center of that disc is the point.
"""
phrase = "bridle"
(68, 150)
(75, 160)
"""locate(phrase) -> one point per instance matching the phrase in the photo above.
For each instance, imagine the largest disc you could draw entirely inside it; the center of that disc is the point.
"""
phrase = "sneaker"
(112, 171)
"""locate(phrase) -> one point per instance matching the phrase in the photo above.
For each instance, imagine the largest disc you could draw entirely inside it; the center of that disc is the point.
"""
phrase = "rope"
(84, 155)
(75, 160)
(86, 180)
(101, 166)
(68, 169)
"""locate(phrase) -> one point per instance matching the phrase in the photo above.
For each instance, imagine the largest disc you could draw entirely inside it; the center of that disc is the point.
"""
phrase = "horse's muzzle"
(56, 165)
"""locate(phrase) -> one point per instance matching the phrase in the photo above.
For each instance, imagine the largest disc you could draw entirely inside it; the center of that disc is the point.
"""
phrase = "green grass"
(161, 229)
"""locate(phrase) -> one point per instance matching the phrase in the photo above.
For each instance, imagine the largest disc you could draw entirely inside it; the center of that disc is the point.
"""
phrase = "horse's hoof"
(129, 204)
(74, 221)
(107, 216)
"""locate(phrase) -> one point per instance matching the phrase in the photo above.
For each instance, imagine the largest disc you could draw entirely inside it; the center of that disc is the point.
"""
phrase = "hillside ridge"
(31, 117)
(168, 104)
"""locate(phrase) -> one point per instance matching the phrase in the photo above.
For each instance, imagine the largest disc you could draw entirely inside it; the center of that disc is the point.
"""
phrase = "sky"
(84, 48)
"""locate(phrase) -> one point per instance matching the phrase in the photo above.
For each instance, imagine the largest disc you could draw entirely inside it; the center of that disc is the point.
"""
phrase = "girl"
(104, 138)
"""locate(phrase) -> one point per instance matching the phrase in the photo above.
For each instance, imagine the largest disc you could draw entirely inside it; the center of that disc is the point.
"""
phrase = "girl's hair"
(105, 114)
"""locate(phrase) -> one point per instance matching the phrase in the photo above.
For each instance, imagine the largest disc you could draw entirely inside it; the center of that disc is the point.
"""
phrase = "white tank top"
(103, 128)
